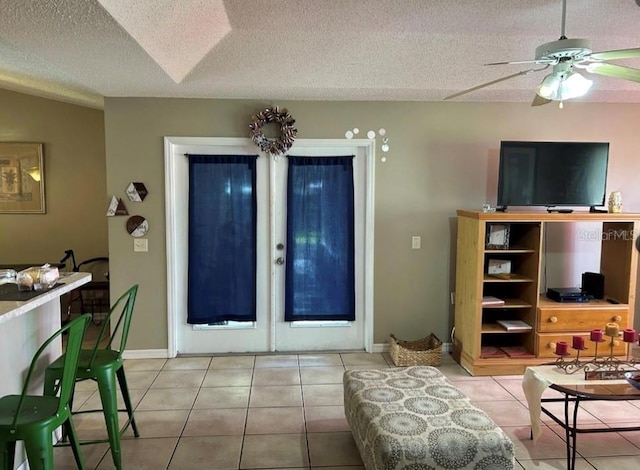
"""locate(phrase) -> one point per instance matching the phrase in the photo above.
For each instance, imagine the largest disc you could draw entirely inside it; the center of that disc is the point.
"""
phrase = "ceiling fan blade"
(614, 71)
(617, 54)
(519, 62)
(493, 82)
(539, 101)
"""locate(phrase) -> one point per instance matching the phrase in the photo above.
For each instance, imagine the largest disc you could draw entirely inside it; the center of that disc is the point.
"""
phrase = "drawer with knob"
(546, 344)
(580, 319)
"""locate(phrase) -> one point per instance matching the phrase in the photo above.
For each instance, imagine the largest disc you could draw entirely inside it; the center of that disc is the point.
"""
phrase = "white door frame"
(176, 243)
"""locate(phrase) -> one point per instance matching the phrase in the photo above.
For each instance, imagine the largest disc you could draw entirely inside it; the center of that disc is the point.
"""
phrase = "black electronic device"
(593, 283)
(568, 294)
(552, 174)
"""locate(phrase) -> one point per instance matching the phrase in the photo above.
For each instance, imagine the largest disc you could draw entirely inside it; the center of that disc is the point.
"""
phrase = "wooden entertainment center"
(516, 240)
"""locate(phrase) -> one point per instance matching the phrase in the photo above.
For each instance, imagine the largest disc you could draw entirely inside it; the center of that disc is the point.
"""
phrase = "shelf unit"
(479, 341)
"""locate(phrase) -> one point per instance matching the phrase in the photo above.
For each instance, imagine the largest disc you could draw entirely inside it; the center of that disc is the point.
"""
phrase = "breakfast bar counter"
(10, 309)
(24, 327)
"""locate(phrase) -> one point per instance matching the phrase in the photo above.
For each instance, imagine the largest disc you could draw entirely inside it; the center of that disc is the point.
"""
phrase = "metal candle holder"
(609, 365)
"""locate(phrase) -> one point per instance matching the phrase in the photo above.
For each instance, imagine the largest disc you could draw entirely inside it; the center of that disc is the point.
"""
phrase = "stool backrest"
(124, 305)
(76, 329)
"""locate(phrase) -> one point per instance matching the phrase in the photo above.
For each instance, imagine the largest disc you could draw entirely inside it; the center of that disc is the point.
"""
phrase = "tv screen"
(552, 173)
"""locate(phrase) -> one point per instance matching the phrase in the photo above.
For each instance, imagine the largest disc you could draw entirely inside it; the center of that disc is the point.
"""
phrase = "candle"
(578, 342)
(562, 348)
(612, 330)
(628, 335)
(596, 335)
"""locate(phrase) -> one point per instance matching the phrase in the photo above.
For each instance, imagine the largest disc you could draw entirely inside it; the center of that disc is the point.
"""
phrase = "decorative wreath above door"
(288, 133)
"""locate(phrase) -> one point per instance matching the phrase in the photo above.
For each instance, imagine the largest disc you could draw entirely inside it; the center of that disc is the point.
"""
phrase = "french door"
(270, 331)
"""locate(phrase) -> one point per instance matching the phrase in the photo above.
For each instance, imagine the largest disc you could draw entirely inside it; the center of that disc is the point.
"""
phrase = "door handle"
(280, 260)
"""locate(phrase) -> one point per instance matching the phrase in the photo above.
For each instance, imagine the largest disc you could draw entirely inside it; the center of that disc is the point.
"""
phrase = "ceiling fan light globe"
(560, 86)
(545, 92)
(575, 85)
(549, 87)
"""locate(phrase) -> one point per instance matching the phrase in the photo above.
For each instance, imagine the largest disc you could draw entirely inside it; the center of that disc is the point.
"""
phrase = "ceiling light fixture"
(563, 84)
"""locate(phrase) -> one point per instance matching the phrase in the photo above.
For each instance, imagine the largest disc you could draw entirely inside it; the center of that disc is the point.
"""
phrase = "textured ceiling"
(413, 50)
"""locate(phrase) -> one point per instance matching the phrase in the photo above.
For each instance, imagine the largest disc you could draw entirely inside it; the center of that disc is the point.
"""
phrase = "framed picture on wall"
(21, 178)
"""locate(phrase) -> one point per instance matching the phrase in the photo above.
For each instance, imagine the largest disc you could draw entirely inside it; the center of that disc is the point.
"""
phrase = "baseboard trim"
(146, 354)
(164, 353)
(380, 347)
(384, 347)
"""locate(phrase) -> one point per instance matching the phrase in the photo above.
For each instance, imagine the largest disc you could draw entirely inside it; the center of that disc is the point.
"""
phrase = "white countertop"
(13, 308)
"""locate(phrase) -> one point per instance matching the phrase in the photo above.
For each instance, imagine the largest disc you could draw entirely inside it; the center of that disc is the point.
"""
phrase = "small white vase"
(615, 202)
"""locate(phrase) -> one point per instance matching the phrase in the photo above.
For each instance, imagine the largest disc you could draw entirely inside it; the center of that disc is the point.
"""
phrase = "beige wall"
(443, 157)
(75, 181)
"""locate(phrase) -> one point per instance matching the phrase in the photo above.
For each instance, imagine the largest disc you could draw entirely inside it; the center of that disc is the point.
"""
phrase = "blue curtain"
(222, 238)
(320, 279)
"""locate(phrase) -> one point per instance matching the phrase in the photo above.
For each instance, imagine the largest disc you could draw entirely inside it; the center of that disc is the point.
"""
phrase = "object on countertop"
(37, 278)
(7, 275)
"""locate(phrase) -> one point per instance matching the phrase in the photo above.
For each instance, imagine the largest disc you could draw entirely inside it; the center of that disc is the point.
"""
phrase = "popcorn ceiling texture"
(414, 50)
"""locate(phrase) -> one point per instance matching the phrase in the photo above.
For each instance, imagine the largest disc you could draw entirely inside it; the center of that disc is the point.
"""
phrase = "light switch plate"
(415, 243)
(140, 244)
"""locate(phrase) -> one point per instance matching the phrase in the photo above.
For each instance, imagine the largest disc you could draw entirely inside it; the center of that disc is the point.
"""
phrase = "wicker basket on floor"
(423, 352)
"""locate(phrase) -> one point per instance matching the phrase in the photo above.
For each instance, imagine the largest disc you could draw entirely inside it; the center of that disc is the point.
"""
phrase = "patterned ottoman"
(414, 419)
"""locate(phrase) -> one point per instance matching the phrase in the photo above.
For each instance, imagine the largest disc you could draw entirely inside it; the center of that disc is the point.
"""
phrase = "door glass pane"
(222, 239)
(319, 275)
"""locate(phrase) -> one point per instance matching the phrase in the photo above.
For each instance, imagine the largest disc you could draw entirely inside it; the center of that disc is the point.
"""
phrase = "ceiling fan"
(565, 56)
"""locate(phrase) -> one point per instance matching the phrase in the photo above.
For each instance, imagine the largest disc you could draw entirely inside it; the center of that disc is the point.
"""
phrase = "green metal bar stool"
(104, 365)
(33, 419)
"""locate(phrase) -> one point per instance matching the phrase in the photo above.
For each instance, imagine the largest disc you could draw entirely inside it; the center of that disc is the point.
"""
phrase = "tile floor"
(286, 411)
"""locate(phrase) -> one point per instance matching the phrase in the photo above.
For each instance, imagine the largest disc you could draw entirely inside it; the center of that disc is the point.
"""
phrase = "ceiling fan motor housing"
(564, 49)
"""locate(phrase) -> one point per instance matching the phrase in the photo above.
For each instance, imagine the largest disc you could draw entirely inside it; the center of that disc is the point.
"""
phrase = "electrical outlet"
(140, 244)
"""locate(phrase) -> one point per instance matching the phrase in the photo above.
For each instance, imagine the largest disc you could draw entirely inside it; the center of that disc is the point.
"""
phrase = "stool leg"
(122, 380)
(107, 388)
(39, 447)
(70, 430)
(7, 454)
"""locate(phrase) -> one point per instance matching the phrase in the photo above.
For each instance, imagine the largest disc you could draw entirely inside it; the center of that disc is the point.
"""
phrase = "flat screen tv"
(552, 173)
